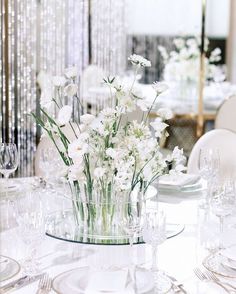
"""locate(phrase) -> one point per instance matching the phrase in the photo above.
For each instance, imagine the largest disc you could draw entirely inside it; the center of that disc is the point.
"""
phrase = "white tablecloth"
(177, 256)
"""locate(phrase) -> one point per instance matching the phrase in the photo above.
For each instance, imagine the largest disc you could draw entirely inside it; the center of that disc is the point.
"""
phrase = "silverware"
(177, 285)
(205, 278)
(45, 284)
(19, 283)
(215, 278)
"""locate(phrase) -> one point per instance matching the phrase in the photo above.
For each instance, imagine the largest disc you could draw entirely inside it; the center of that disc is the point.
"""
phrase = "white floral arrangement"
(183, 63)
(108, 153)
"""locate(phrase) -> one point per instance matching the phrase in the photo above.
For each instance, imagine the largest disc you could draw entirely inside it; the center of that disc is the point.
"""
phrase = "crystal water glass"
(223, 203)
(8, 159)
(29, 213)
(154, 233)
(209, 166)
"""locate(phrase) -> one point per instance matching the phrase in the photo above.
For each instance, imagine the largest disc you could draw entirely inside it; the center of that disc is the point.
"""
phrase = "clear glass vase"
(104, 218)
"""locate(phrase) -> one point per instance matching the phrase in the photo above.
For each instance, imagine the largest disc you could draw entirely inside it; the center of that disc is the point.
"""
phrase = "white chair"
(226, 115)
(222, 139)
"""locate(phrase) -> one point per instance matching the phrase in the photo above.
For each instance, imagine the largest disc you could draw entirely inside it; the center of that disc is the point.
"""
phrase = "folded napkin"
(107, 281)
(177, 182)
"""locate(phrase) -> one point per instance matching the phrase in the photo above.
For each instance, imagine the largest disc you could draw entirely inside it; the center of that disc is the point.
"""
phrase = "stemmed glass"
(154, 233)
(222, 203)
(30, 217)
(8, 159)
(8, 164)
(208, 165)
(131, 224)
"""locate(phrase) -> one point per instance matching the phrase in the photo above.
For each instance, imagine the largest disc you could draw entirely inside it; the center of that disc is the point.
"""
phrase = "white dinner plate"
(230, 253)
(8, 268)
(76, 282)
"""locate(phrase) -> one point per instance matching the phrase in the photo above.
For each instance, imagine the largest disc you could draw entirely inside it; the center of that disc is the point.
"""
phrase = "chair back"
(222, 139)
(226, 115)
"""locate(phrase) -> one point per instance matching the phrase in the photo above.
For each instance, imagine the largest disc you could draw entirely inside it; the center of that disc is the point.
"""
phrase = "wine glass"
(29, 213)
(209, 166)
(154, 233)
(8, 159)
(131, 224)
(222, 203)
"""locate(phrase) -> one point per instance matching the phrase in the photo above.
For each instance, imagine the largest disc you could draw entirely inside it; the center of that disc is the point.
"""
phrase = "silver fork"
(213, 277)
(205, 278)
(45, 285)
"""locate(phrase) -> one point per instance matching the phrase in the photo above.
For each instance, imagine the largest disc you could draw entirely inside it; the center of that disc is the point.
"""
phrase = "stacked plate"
(229, 258)
(222, 262)
(184, 183)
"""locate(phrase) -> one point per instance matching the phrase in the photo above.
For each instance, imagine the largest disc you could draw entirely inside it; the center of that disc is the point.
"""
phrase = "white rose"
(71, 90)
(87, 118)
(165, 113)
(58, 81)
(71, 72)
(64, 115)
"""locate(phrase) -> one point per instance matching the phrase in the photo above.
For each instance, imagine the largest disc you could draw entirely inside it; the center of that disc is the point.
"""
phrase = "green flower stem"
(150, 108)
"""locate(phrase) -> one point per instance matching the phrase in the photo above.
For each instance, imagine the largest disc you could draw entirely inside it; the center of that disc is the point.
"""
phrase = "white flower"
(77, 149)
(127, 103)
(58, 81)
(99, 172)
(159, 126)
(160, 87)
(87, 119)
(64, 115)
(75, 173)
(46, 98)
(179, 43)
(215, 55)
(71, 90)
(71, 72)
(139, 60)
(111, 152)
(165, 113)
(163, 52)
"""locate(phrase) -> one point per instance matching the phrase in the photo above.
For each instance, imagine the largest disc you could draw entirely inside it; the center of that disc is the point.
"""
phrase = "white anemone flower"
(64, 115)
(58, 81)
(71, 72)
(75, 173)
(160, 87)
(159, 126)
(165, 113)
(71, 90)
(139, 60)
(99, 172)
(87, 118)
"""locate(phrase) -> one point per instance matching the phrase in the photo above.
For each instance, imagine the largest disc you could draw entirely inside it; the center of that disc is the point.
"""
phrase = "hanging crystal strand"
(1, 69)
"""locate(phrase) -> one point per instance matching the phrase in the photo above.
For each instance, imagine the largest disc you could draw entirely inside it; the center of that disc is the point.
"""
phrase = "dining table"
(193, 238)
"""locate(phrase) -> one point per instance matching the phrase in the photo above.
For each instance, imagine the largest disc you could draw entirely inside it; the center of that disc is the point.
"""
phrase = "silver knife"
(19, 283)
(177, 284)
